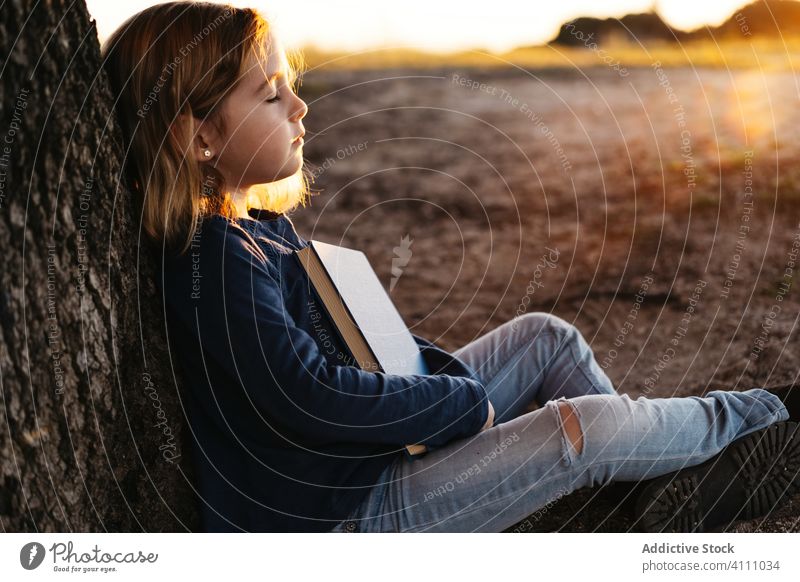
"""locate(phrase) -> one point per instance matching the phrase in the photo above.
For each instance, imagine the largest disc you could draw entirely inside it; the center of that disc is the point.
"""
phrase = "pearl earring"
(207, 153)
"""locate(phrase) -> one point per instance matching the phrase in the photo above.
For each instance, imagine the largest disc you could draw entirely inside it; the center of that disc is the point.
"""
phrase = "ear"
(205, 139)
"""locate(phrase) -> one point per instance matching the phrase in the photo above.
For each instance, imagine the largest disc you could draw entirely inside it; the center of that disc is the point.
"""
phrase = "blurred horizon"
(349, 26)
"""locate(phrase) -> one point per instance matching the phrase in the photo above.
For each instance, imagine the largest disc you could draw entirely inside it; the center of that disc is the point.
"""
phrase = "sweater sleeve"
(240, 320)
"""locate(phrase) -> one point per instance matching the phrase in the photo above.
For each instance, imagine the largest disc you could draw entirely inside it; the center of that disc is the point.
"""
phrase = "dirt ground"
(669, 199)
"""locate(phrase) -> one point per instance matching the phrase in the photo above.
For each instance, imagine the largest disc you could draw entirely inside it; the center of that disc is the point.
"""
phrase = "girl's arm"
(238, 317)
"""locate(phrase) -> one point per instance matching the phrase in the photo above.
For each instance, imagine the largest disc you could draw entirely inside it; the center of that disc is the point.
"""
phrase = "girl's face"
(263, 140)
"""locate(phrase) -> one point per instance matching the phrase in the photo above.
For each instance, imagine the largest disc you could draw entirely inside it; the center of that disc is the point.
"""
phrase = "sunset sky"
(437, 25)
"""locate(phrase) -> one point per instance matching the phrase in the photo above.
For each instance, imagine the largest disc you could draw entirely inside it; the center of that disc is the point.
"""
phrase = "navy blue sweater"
(286, 436)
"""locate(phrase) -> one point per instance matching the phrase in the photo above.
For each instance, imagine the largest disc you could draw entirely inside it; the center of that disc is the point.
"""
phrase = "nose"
(299, 109)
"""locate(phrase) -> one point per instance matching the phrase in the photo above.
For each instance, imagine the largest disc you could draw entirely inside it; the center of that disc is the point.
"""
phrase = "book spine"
(377, 367)
(411, 451)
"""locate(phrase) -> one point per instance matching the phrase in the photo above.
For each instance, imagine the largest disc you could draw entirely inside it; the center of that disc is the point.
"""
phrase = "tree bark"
(91, 424)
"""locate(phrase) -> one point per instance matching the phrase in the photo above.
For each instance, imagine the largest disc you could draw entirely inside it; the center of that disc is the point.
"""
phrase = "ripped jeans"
(498, 477)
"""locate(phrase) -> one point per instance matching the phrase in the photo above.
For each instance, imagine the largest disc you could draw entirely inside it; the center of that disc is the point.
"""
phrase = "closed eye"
(274, 99)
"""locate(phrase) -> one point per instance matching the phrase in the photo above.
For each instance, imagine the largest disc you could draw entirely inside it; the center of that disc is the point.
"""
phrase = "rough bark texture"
(90, 416)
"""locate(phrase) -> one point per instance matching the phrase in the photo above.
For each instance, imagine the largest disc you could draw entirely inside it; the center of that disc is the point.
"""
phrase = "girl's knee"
(571, 435)
(570, 425)
(541, 321)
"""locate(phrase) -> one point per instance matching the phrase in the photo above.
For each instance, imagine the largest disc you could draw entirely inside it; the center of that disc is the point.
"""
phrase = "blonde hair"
(167, 64)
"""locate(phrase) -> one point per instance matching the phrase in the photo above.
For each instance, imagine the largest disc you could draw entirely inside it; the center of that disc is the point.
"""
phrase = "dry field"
(649, 187)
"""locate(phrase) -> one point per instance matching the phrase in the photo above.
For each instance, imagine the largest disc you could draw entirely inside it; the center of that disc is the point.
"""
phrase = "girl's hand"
(490, 419)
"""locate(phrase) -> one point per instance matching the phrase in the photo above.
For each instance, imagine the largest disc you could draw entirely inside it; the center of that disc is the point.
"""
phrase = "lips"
(299, 137)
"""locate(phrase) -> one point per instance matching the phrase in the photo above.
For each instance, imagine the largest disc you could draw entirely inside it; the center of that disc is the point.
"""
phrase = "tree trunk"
(91, 423)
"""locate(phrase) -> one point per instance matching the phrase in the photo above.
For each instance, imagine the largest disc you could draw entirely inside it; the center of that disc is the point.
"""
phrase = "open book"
(362, 312)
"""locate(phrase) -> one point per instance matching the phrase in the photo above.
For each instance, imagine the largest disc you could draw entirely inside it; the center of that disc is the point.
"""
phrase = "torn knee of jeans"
(570, 429)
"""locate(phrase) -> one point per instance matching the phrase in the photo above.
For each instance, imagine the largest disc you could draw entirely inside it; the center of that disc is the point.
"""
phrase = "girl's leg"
(534, 357)
(498, 477)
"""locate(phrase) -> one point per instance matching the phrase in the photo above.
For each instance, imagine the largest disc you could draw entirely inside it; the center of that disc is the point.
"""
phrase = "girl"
(287, 440)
